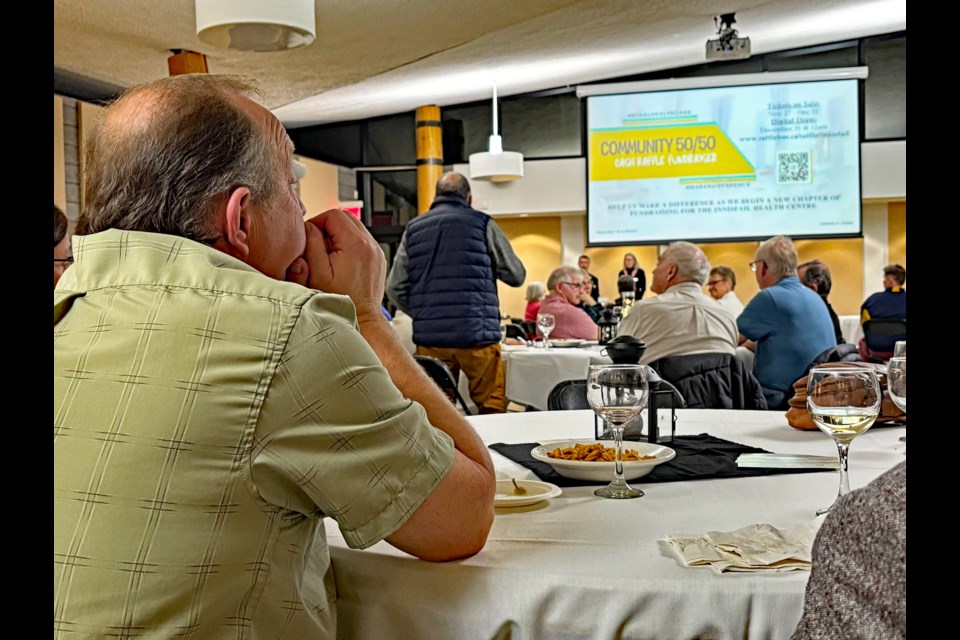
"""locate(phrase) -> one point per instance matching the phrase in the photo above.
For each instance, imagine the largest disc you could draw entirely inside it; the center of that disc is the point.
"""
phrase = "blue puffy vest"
(453, 289)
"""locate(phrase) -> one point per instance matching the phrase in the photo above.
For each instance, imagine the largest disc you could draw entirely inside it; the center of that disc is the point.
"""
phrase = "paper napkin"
(756, 547)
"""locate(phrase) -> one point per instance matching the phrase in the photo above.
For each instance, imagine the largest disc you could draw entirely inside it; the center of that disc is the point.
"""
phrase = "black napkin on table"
(698, 457)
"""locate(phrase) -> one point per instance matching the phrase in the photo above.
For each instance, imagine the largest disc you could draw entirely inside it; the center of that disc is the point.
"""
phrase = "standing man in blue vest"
(445, 276)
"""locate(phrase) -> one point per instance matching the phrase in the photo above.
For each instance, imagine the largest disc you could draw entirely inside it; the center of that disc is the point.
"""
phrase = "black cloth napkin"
(698, 457)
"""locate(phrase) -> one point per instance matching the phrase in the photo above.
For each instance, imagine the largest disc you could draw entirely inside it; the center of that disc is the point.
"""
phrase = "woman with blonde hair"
(632, 269)
(534, 296)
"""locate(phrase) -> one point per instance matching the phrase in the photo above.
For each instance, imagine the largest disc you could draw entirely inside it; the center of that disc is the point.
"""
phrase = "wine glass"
(897, 382)
(900, 350)
(617, 393)
(843, 402)
(546, 322)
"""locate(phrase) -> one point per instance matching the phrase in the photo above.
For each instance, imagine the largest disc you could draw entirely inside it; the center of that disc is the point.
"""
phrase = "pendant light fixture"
(496, 165)
(256, 25)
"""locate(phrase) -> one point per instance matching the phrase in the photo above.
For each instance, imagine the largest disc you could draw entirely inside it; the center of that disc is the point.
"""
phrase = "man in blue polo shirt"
(891, 303)
(786, 323)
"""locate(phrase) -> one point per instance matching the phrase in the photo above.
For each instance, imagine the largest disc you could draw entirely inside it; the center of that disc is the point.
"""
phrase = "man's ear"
(235, 224)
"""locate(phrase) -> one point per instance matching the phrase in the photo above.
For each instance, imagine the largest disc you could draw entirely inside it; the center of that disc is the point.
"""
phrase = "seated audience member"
(564, 285)
(682, 319)
(858, 578)
(720, 285)
(62, 254)
(584, 263)
(587, 302)
(534, 296)
(625, 284)
(816, 275)
(787, 322)
(248, 387)
(889, 303)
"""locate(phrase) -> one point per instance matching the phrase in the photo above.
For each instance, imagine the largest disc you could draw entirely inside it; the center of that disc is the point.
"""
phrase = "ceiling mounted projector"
(496, 165)
(727, 46)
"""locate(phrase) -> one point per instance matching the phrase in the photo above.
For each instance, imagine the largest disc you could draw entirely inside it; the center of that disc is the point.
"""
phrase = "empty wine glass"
(900, 350)
(546, 322)
(897, 381)
(617, 393)
(843, 402)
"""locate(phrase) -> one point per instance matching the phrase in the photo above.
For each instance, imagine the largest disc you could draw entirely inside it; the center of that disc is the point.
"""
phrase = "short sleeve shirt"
(206, 419)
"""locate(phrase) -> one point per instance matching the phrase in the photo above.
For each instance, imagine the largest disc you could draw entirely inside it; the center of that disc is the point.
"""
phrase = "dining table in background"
(851, 328)
(532, 372)
(583, 567)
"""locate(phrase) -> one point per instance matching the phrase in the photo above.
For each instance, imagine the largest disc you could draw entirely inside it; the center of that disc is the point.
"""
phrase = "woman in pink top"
(535, 293)
(572, 321)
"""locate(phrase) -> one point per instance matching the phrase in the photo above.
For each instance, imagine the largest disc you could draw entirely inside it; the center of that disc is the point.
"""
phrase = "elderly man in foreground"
(787, 322)
(224, 380)
(682, 319)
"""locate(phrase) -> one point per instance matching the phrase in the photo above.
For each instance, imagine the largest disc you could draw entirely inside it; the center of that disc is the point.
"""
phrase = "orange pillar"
(187, 62)
(429, 154)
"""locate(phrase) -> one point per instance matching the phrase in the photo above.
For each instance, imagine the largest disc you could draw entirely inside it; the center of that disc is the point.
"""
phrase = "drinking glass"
(617, 393)
(503, 333)
(900, 350)
(843, 402)
(546, 322)
(897, 381)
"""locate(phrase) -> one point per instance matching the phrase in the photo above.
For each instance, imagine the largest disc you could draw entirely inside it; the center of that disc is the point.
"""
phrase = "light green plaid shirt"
(206, 417)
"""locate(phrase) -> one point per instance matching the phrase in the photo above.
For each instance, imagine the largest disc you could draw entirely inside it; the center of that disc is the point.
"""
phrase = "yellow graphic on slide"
(665, 152)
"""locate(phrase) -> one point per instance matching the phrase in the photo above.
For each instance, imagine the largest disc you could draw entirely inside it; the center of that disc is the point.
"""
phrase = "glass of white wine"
(843, 402)
(617, 393)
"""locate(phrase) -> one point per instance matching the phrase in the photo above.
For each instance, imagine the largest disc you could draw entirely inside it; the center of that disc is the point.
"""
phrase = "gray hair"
(779, 254)
(816, 273)
(453, 183)
(562, 273)
(164, 154)
(726, 273)
(535, 291)
(59, 225)
(692, 263)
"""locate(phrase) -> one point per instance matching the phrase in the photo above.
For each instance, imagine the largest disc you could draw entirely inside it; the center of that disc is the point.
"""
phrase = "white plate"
(600, 471)
(566, 342)
(536, 491)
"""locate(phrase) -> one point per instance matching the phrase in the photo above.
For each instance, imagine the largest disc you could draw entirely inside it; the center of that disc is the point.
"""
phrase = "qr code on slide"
(793, 167)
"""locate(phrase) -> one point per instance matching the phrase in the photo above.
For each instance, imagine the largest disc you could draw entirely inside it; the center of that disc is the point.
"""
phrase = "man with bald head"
(224, 380)
(445, 276)
(681, 320)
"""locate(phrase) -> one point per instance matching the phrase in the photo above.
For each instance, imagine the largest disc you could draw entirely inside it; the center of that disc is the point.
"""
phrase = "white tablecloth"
(851, 329)
(582, 567)
(532, 372)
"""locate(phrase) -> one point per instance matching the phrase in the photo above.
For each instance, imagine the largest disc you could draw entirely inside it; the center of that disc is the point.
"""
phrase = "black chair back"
(712, 381)
(440, 373)
(516, 331)
(889, 330)
(569, 394)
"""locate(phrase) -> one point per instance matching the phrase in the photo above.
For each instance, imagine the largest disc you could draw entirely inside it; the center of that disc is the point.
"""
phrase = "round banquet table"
(532, 372)
(582, 567)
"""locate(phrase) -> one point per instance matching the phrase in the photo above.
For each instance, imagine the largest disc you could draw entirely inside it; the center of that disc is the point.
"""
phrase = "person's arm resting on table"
(455, 519)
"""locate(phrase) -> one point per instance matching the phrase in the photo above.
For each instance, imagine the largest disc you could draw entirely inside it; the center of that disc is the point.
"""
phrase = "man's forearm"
(410, 378)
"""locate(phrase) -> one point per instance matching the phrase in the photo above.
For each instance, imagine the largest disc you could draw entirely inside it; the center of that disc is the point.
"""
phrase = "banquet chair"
(711, 381)
(516, 331)
(569, 394)
(884, 328)
(440, 373)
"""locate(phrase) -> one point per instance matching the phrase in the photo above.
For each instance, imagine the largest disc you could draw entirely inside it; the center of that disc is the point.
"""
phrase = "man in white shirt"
(720, 286)
(682, 319)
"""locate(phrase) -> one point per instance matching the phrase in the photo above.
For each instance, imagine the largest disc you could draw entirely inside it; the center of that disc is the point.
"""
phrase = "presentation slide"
(726, 163)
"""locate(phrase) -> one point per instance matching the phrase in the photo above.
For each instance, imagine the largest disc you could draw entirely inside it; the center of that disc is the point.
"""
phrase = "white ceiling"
(377, 57)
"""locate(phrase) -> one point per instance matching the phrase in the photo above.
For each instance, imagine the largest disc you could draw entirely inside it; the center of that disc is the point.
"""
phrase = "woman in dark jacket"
(632, 269)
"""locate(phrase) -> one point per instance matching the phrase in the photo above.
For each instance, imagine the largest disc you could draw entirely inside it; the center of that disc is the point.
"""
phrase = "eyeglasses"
(575, 284)
(67, 261)
(753, 265)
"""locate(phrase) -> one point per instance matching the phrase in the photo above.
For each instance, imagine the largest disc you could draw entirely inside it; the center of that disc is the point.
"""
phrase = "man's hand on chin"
(342, 257)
